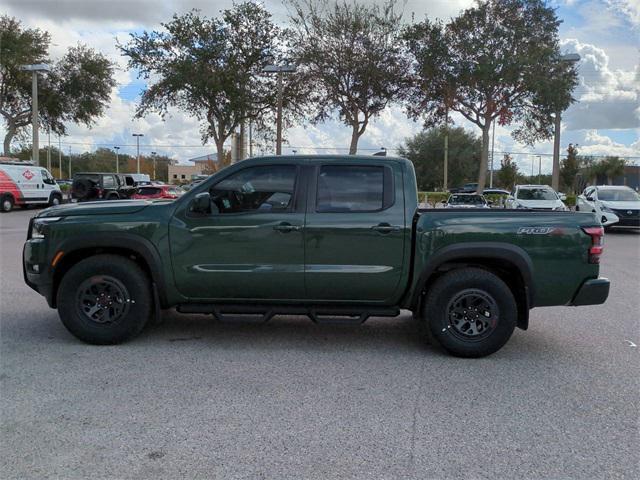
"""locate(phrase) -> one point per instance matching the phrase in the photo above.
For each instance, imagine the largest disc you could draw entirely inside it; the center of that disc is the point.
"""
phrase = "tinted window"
(148, 191)
(263, 189)
(346, 188)
(108, 181)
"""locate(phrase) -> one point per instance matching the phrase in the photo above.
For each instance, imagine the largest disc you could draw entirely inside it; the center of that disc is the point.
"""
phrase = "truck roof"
(310, 158)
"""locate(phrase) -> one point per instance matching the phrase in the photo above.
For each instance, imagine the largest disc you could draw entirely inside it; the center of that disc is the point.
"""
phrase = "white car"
(614, 205)
(536, 197)
(466, 200)
(22, 183)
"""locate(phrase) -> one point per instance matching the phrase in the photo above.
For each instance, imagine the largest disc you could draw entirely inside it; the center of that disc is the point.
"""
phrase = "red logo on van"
(28, 174)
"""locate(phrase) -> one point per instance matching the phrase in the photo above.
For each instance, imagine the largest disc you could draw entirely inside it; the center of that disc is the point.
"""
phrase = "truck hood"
(109, 207)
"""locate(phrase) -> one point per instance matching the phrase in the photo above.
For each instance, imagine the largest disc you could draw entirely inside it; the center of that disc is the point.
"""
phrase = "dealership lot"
(196, 398)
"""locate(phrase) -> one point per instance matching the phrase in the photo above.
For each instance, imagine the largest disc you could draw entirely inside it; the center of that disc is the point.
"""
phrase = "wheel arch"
(128, 246)
(509, 262)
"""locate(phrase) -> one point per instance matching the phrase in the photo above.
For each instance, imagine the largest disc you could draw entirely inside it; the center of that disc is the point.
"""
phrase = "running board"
(325, 315)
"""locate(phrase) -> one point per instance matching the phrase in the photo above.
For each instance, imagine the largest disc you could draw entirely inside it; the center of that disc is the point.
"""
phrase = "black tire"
(55, 199)
(7, 203)
(479, 290)
(577, 208)
(113, 196)
(98, 322)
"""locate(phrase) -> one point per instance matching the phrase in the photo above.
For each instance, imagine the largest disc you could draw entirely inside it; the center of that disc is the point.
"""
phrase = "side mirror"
(563, 197)
(590, 199)
(201, 203)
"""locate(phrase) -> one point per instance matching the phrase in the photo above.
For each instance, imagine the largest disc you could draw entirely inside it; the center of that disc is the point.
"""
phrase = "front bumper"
(592, 292)
(39, 281)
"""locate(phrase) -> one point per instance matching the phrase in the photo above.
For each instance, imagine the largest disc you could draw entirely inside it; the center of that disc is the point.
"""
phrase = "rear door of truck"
(355, 231)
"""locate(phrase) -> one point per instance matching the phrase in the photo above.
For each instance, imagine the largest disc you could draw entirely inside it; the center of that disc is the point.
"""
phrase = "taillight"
(597, 243)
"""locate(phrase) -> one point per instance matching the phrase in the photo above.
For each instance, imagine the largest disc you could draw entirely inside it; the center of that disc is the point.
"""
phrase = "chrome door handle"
(286, 227)
(386, 228)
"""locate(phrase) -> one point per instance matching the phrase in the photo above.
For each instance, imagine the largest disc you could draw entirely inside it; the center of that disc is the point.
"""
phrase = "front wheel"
(105, 299)
(55, 200)
(471, 312)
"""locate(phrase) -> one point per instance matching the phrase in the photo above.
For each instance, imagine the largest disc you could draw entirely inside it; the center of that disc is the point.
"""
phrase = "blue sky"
(605, 120)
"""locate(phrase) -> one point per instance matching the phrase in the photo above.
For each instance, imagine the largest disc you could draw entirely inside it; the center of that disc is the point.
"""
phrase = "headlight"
(606, 209)
(38, 227)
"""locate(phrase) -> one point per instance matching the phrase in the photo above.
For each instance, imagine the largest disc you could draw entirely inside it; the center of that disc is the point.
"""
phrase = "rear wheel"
(6, 204)
(471, 312)
(105, 299)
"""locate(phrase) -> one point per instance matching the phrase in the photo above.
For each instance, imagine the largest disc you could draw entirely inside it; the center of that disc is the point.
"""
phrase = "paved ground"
(196, 399)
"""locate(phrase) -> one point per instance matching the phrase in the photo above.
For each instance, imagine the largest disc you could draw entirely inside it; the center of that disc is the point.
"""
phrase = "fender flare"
(125, 241)
(481, 251)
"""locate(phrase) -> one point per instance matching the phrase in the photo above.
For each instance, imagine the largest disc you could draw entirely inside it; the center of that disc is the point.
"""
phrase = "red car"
(150, 192)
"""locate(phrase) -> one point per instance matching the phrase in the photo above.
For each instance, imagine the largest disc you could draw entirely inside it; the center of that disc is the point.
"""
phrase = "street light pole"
(539, 168)
(35, 125)
(138, 135)
(555, 171)
(117, 159)
(153, 156)
(280, 70)
(446, 150)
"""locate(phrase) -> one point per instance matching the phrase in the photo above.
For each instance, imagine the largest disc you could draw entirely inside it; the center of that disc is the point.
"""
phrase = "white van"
(24, 184)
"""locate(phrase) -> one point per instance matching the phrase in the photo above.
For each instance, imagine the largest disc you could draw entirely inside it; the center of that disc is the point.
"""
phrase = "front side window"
(266, 188)
(350, 188)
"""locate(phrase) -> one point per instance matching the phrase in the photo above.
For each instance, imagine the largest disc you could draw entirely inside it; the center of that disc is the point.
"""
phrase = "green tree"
(497, 61)
(612, 167)
(508, 173)
(426, 151)
(76, 90)
(352, 57)
(569, 169)
(210, 68)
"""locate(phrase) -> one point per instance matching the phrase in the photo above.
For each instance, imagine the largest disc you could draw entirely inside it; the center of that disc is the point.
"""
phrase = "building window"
(175, 176)
(182, 176)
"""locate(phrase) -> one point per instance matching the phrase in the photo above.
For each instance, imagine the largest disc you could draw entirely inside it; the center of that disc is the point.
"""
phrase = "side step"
(320, 314)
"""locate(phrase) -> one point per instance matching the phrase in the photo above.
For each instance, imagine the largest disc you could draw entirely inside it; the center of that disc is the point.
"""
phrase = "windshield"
(618, 195)
(536, 194)
(466, 200)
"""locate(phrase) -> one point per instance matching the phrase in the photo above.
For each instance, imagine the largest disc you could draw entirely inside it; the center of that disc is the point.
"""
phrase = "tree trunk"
(220, 150)
(484, 158)
(609, 180)
(11, 132)
(355, 136)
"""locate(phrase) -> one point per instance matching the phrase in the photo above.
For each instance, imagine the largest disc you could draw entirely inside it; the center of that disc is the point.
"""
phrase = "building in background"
(187, 172)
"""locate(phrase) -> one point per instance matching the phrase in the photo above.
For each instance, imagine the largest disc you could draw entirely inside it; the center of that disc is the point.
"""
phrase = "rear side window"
(354, 188)
(108, 181)
(266, 188)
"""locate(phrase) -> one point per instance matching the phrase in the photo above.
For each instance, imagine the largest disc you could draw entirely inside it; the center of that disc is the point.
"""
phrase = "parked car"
(535, 197)
(158, 191)
(101, 186)
(25, 184)
(466, 200)
(614, 205)
(339, 239)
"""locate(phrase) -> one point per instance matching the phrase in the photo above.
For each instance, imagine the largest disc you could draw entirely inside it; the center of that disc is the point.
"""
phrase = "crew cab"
(337, 238)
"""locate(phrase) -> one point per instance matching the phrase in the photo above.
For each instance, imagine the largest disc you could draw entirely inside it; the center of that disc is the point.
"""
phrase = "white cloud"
(630, 9)
(607, 99)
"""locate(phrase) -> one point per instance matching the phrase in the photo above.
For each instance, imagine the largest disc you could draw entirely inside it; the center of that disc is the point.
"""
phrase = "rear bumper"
(592, 292)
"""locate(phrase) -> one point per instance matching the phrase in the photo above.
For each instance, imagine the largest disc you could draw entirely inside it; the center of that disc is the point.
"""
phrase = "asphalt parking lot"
(193, 398)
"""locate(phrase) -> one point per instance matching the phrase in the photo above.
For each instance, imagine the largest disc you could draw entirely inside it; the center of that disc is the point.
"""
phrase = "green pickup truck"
(336, 238)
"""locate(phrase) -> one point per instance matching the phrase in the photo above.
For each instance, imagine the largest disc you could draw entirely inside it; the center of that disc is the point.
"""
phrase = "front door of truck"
(355, 231)
(251, 245)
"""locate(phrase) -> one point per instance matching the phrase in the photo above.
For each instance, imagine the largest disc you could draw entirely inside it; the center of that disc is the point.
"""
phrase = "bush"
(570, 201)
